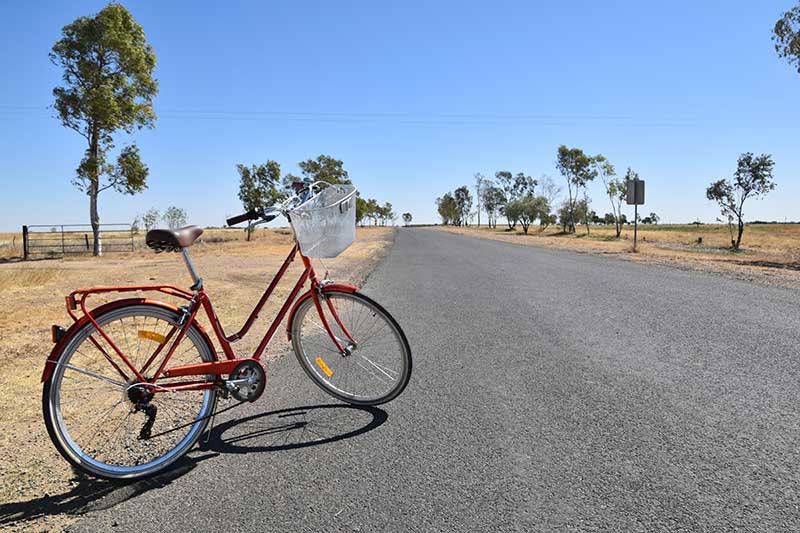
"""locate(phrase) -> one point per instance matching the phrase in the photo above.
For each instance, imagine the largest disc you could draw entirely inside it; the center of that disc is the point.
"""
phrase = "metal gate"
(44, 240)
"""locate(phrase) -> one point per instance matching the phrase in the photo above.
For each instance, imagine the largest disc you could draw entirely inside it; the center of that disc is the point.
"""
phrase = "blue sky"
(416, 97)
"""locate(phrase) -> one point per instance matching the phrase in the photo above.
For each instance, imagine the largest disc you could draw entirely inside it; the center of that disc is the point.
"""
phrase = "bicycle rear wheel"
(104, 424)
(378, 365)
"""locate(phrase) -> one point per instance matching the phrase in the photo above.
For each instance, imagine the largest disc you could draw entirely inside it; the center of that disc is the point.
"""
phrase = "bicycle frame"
(199, 299)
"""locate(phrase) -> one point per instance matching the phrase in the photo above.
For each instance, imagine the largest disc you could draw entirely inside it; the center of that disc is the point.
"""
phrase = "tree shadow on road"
(273, 431)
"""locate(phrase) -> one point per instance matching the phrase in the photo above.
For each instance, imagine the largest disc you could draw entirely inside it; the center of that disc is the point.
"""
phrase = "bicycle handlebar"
(306, 187)
(266, 215)
(244, 217)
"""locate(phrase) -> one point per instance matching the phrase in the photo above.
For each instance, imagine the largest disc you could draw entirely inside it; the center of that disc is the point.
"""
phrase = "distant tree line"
(514, 196)
(263, 185)
(370, 210)
(174, 217)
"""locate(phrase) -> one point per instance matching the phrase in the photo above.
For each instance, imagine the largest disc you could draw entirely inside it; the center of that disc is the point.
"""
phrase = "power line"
(379, 117)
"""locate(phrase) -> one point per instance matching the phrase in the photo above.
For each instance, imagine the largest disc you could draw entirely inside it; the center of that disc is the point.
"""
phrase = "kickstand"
(210, 428)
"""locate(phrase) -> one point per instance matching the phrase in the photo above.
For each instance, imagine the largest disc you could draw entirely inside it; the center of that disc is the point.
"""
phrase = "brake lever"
(266, 219)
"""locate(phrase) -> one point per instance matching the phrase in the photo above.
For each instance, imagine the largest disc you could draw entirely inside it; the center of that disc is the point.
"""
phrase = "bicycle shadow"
(293, 428)
(273, 431)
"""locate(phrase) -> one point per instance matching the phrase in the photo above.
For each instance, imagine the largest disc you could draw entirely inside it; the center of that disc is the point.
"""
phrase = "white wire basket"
(325, 225)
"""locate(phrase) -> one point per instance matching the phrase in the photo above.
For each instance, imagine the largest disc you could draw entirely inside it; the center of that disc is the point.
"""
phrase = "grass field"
(770, 252)
(33, 476)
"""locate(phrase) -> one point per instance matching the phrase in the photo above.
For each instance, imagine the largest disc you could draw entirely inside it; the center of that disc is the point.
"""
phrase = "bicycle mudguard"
(50, 364)
(331, 287)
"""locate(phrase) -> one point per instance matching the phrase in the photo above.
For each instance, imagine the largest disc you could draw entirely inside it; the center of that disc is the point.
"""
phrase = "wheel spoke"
(378, 367)
(99, 418)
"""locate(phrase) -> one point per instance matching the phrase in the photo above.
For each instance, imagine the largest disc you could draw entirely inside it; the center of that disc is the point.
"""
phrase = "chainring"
(247, 381)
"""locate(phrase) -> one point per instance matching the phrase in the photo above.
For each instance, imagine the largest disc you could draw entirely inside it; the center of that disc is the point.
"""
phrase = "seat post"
(198, 281)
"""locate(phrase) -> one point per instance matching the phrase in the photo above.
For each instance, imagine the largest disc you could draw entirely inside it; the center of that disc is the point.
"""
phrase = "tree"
(175, 217)
(463, 200)
(447, 208)
(407, 218)
(373, 210)
(480, 184)
(258, 186)
(550, 189)
(577, 169)
(526, 210)
(493, 199)
(655, 218)
(361, 209)
(513, 187)
(584, 213)
(387, 214)
(786, 36)
(547, 219)
(752, 178)
(108, 86)
(615, 189)
(324, 168)
(150, 218)
(565, 215)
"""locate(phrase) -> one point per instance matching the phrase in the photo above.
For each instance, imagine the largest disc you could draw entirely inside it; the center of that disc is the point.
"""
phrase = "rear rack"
(78, 297)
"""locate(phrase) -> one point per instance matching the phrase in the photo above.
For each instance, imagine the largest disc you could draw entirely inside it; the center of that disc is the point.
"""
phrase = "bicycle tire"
(53, 391)
(322, 373)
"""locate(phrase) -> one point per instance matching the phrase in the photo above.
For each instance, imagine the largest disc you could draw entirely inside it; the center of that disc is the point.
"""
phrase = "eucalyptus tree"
(480, 184)
(616, 189)
(577, 169)
(493, 199)
(448, 209)
(175, 217)
(150, 218)
(786, 37)
(259, 186)
(325, 168)
(463, 200)
(108, 87)
(527, 209)
(752, 179)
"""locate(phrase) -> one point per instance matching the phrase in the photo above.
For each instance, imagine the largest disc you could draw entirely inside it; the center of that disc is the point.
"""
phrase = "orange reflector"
(324, 367)
(152, 336)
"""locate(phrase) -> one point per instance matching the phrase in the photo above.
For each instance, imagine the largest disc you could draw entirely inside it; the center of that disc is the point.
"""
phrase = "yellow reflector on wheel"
(324, 367)
(152, 336)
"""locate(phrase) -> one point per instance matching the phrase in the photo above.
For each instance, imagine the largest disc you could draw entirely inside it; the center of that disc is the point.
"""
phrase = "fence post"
(24, 243)
(63, 247)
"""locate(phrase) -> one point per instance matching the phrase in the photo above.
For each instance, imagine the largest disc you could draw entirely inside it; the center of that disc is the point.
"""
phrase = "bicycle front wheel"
(97, 416)
(376, 365)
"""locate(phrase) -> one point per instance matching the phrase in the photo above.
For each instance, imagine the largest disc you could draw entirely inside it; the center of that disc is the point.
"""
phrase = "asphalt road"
(551, 391)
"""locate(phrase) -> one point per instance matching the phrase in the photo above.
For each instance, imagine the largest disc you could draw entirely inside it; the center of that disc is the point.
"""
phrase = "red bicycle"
(132, 385)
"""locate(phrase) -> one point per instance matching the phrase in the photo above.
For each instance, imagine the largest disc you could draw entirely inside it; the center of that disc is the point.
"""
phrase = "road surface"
(551, 391)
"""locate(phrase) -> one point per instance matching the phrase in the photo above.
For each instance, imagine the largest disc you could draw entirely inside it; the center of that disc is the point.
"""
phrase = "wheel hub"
(139, 394)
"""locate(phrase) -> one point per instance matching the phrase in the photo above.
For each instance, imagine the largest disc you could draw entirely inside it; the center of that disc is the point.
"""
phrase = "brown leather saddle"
(172, 240)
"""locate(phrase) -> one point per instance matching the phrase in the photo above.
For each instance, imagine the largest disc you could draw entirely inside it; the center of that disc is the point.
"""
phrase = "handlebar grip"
(250, 215)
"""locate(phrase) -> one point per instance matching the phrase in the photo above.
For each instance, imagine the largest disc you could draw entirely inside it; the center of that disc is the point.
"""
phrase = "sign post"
(635, 198)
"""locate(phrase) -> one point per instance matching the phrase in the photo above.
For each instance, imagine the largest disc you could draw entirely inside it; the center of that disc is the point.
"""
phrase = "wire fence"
(44, 240)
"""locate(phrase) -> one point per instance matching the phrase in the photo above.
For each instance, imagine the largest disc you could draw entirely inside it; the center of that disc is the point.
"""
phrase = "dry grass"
(10, 245)
(770, 253)
(235, 274)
